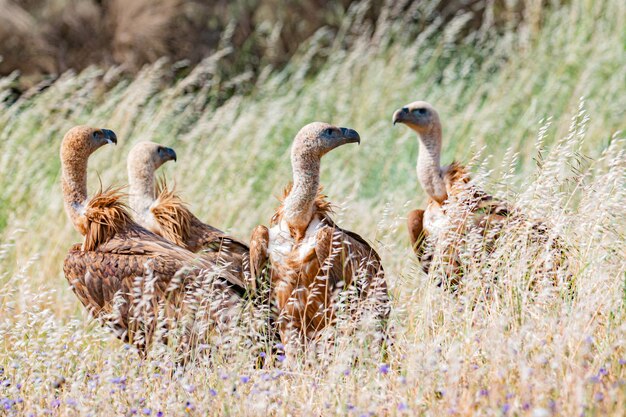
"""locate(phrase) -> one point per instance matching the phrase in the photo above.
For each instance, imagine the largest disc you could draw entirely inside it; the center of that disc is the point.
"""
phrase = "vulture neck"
(300, 203)
(74, 185)
(429, 170)
(141, 190)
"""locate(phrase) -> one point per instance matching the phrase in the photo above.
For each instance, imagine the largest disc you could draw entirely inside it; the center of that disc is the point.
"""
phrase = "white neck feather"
(300, 203)
(141, 192)
(429, 170)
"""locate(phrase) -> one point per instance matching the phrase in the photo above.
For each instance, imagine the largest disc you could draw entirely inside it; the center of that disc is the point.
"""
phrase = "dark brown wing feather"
(259, 257)
(347, 255)
(112, 270)
(120, 252)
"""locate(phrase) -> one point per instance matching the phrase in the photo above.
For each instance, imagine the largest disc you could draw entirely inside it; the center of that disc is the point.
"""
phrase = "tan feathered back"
(172, 215)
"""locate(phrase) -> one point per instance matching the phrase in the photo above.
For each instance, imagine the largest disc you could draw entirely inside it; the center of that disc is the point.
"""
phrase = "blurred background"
(43, 38)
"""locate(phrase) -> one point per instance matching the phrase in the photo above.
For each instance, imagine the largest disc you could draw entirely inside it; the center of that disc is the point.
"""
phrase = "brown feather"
(305, 289)
(105, 215)
(179, 225)
(117, 251)
(172, 215)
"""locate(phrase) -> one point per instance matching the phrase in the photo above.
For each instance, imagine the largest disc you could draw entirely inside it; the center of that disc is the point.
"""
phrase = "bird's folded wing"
(345, 255)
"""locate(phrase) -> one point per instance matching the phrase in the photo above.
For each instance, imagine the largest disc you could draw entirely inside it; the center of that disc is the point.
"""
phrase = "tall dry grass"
(511, 104)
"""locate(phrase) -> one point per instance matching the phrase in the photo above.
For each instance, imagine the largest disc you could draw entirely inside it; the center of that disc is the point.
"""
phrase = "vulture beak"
(170, 154)
(350, 135)
(400, 115)
(110, 136)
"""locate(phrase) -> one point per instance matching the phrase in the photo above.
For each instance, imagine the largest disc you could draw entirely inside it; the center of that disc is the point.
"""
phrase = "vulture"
(455, 204)
(132, 280)
(312, 262)
(163, 212)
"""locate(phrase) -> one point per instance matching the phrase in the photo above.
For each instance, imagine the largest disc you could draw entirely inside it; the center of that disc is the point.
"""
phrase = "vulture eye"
(160, 150)
(421, 111)
(97, 134)
(329, 131)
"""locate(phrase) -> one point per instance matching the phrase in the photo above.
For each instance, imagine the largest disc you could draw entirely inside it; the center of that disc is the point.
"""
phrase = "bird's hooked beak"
(110, 136)
(170, 154)
(400, 115)
(350, 135)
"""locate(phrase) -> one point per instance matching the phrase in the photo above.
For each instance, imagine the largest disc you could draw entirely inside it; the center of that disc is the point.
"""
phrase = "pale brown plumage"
(310, 258)
(162, 211)
(127, 276)
(455, 204)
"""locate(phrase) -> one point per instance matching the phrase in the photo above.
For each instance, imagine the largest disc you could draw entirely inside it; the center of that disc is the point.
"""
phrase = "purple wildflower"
(7, 403)
(552, 405)
(244, 379)
(280, 346)
(384, 369)
(71, 402)
(599, 396)
(483, 392)
(506, 408)
(146, 411)
(403, 407)
(159, 414)
(212, 392)
(262, 354)
(190, 388)
(622, 362)
(118, 380)
(280, 358)
(603, 371)
(346, 372)
(55, 403)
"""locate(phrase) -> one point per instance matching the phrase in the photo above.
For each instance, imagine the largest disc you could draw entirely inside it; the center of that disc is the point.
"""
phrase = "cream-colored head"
(148, 156)
(311, 143)
(419, 116)
(78, 144)
(316, 139)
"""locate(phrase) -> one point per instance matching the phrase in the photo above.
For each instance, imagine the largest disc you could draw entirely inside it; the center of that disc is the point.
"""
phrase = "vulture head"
(419, 116)
(149, 155)
(81, 141)
(316, 139)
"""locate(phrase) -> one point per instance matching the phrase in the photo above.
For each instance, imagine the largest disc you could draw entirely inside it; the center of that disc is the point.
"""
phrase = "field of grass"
(537, 110)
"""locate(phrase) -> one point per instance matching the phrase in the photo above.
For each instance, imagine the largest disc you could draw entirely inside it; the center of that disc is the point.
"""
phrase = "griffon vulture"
(312, 260)
(445, 184)
(126, 275)
(163, 212)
